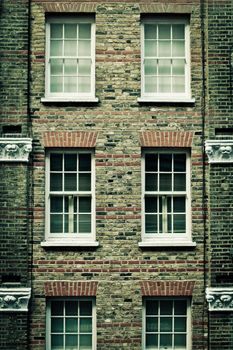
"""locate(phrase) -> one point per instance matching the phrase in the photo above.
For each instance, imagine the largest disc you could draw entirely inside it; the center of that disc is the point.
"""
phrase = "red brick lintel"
(70, 288)
(86, 139)
(166, 138)
(65, 7)
(167, 288)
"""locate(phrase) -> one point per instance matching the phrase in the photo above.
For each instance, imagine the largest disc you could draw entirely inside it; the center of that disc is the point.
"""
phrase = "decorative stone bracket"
(15, 149)
(220, 299)
(219, 151)
(14, 299)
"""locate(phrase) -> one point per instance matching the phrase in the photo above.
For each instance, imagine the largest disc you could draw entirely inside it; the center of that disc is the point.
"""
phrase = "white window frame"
(69, 239)
(188, 324)
(78, 299)
(172, 96)
(62, 96)
(167, 239)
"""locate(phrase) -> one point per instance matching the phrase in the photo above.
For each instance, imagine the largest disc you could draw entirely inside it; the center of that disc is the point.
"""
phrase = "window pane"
(85, 325)
(164, 49)
(85, 342)
(56, 48)
(84, 204)
(56, 84)
(56, 66)
(56, 162)
(164, 31)
(165, 163)
(56, 182)
(71, 342)
(151, 182)
(56, 308)
(150, 67)
(150, 48)
(84, 48)
(70, 48)
(180, 341)
(56, 31)
(84, 67)
(151, 324)
(85, 182)
(165, 182)
(150, 31)
(71, 308)
(70, 31)
(84, 84)
(178, 84)
(70, 67)
(166, 307)
(179, 182)
(151, 341)
(56, 204)
(179, 204)
(166, 341)
(70, 162)
(71, 325)
(166, 324)
(151, 223)
(179, 223)
(70, 84)
(164, 84)
(70, 182)
(180, 324)
(151, 162)
(85, 308)
(56, 223)
(164, 67)
(178, 48)
(151, 204)
(152, 307)
(84, 223)
(84, 31)
(179, 162)
(84, 162)
(56, 342)
(178, 31)
(150, 84)
(180, 307)
(178, 67)
(56, 325)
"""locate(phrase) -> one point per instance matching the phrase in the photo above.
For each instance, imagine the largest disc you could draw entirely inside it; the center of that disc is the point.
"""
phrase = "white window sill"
(157, 243)
(69, 243)
(70, 100)
(165, 100)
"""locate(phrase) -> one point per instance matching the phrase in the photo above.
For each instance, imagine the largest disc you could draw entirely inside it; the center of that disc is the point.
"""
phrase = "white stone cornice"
(14, 149)
(219, 151)
(220, 299)
(14, 299)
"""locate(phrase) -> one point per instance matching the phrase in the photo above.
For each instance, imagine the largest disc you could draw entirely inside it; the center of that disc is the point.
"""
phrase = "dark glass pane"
(71, 325)
(84, 223)
(70, 31)
(56, 204)
(56, 30)
(150, 31)
(179, 223)
(151, 182)
(180, 324)
(179, 204)
(151, 223)
(169, 223)
(180, 307)
(166, 307)
(85, 342)
(71, 308)
(165, 162)
(166, 341)
(151, 204)
(75, 223)
(71, 342)
(151, 162)
(180, 162)
(70, 162)
(84, 31)
(85, 325)
(56, 162)
(56, 308)
(152, 324)
(84, 182)
(84, 204)
(56, 223)
(165, 182)
(70, 182)
(85, 308)
(179, 182)
(151, 341)
(180, 341)
(152, 307)
(67, 204)
(56, 342)
(166, 324)
(56, 325)
(169, 203)
(55, 182)
(84, 162)
(66, 223)
(164, 31)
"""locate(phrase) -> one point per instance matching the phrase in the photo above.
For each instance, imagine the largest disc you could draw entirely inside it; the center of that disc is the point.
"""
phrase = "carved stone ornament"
(220, 299)
(219, 151)
(15, 149)
(14, 299)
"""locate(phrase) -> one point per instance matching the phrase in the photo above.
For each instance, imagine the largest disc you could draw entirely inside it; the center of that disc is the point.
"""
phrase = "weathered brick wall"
(118, 264)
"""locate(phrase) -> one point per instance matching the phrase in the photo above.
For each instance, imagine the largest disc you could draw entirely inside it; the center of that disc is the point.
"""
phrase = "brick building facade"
(116, 160)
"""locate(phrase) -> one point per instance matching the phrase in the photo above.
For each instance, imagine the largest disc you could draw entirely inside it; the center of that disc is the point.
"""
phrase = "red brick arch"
(70, 288)
(167, 288)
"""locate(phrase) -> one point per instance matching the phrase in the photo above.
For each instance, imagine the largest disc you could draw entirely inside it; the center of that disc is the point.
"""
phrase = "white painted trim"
(70, 100)
(68, 243)
(158, 243)
(166, 100)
